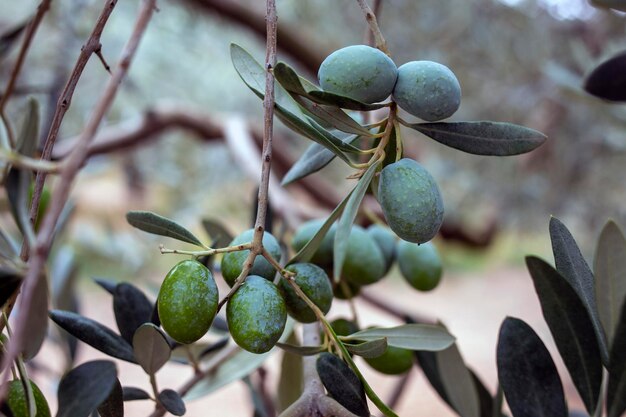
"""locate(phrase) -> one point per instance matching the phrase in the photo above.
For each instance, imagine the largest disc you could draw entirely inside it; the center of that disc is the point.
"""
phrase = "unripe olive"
(344, 327)
(342, 293)
(386, 241)
(364, 263)
(232, 262)
(256, 315)
(420, 265)
(324, 254)
(411, 201)
(187, 301)
(359, 72)
(315, 284)
(428, 90)
(394, 361)
(16, 400)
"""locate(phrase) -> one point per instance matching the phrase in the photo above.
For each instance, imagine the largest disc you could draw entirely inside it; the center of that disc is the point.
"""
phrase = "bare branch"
(370, 17)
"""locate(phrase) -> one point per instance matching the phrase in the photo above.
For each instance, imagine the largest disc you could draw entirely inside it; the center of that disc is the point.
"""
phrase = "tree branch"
(370, 17)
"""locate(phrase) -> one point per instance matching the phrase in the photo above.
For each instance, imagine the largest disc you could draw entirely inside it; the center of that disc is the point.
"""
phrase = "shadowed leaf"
(172, 402)
(613, 4)
(483, 138)
(132, 309)
(158, 225)
(301, 350)
(220, 236)
(151, 348)
(134, 394)
(573, 267)
(527, 373)
(113, 406)
(28, 140)
(85, 387)
(37, 319)
(371, 349)
(428, 362)
(9, 38)
(458, 382)
(291, 374)
(408, 336)
(107, 284)
(608, 80)
(94, 334)
(342, 384)
(571, 329)
(616, 392)
(10, 280)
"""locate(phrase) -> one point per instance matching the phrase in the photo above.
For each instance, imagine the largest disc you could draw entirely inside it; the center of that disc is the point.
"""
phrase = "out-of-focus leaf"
(342, 384)
(220, 236)
(616, 391)
(613, 4)
(10, 280)
(608, 80)
(487, 403)
(527, 372)
(17, 185)
(610, 276)
(113, 406)
(484, 137)
(458, 382)
(370, 349)
(428, 362)
(301, 350)
(573, 267)
(151, 348)
(291, 374)
(132, 309)
(107, 284)
(571, 328)
(37, 319)
(134, 394)
(408, 336)
(9, 38)
(85, 387)
(8, 246)
(28, 139)
(171, 401)
(158, 225)
(94, 334)
(344, 225)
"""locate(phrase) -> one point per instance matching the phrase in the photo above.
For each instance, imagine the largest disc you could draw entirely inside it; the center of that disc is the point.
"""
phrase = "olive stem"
(22, 161)
(155, 388)
(276, 265)
(208, 252)
(399, 144)
(370, 17)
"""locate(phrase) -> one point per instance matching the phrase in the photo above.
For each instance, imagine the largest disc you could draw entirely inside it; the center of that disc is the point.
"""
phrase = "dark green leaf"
(37, 319)
(85, 387)
(291, 377)
(616, 392)
(107, 284)
(408, 336)
(10, 281)
(171, 401)
(571, 329)
(483, 138)
(132, 309)
(134, 394)
(220, 236)
(333, 116)
(94, 334)
(151, 348)
(344, 226)
(323, 97)
(28, 140)
(458, 382)
(342, 384)
(610, 276)
(17, 188)
(485, 400)
(527, 373)
(613, 4)
(301, 350)
(573, 267)
(113, 406)
(159, 225)
(428, 362)
(370, 349)
(608, 80)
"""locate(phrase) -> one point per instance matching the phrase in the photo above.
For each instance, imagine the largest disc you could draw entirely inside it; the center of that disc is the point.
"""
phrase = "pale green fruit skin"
(187, 301)
(256, 315)
(16, 400)
(364, 263)
(411, 201)
(315, 284)
(394, 361)
(359, 72)
(386, 241)
(232, 262)
(428, 90)
(420, 265)
(324, 254)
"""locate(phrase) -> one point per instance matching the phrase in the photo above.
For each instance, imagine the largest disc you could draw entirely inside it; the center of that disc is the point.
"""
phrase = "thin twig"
(370, 17)
(369, 35)
(69, 170)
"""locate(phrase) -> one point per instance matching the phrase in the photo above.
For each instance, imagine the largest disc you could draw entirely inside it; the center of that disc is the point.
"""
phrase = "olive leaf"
(571, 328)
(28, 140)
(220, 236)
(342, 384)
(132, 309)
(94, 334)
(608, 80)
(527, 373)
(458, 382)
(408, 336)
(301, 350)
(85, 387)
(172, 402)
(290, 383)
(9, 38)
(151, 348)
(483, 137)
(36, 319)
(616, 391)
(113, 405)
(370, 349)
(10, 281)
(158, 225)
(134, 394)
(613, 4)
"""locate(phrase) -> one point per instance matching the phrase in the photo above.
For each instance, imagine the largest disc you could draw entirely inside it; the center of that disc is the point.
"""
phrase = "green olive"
(232, 262)
(315, 284)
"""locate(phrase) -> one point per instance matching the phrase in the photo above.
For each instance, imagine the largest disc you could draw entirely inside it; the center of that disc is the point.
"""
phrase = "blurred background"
(519, 61)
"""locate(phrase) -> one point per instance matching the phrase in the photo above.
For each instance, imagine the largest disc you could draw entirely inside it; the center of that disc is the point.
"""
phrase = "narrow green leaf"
(132, 309)
(158, 225)
(301, 350)
(290, 383)
(94, 334)
(608, 80)
(334, 116)
(571, 329)
(171, 401)
(573, 267)
(37, 319)
(113, 406)
(527, 373)
(342, 384)
(428, 363)
(610, 276)
(616, 390)
(134, 394)
(220, 236)
(85, 387)
(344, 225)
(28, 140)
(458, 382)
(408, 336)
(483, 138)
(151, 348)
(370, 349)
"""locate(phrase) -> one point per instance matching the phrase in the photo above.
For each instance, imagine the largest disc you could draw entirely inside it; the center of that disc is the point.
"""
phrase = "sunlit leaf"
(158, 225)
(527, 373)
(408, 336)
(370, 349)
(85, 387)
(608, 80)
(172, 402)
(342, 384)
(458, 382)
(151, 348)
(571, 329)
